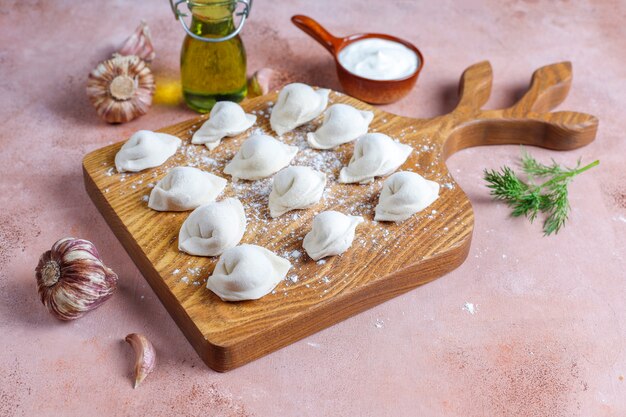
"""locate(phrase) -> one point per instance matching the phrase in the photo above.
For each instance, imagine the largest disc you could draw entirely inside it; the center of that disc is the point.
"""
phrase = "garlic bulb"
(139, 44)
(121, 88)
(145, 356)
(71, 278)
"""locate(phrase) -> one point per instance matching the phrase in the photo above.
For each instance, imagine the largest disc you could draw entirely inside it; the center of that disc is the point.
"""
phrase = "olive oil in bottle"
(212, 69)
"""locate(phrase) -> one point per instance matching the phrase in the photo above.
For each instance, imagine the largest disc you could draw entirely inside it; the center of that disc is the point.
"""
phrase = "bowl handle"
(317, 32)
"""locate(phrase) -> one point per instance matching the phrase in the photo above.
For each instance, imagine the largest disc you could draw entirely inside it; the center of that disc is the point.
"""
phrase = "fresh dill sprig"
(528, 199)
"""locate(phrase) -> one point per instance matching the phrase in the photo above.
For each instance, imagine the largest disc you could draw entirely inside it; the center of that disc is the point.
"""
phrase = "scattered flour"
(470, 308)
(284, 235)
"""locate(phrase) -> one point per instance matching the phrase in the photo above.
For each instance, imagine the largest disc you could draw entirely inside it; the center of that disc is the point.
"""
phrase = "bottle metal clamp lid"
(244, 13)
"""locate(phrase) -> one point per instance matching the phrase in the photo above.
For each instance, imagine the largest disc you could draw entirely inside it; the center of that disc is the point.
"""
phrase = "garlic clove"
(266, 80)
(145, 356)
(121, 88)
(139, 44)
(72, 280)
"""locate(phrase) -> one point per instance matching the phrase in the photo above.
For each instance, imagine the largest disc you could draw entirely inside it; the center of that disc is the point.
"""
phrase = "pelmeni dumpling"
(145, 149)
(342, 124)
(260, 156)
(185, 188)
(404, 194)
(226, 119)
(247, 272)
(375, 155)
(332, 234)
(297, 104)
(213, 228)
(294, 188)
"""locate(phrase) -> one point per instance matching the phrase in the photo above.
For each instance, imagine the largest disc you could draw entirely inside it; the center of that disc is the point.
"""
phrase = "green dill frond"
(505, 185)
(529, 199)
(534, 168)
(558, 210)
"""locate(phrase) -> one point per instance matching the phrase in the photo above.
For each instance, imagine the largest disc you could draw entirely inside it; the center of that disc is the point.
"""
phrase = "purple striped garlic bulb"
(71, 278)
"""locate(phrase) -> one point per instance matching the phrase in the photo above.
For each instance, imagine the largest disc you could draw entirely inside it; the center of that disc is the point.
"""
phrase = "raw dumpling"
(295, 188)
(226, 119)
(404, 194)
(185, 188)
(332, 234)
(260, 156)
(342, 124)
(213, 228)
(145, 149)
(297, 104)
(247, 272)
(375, 155)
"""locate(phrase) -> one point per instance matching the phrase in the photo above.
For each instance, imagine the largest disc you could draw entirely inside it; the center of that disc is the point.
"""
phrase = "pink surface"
(547, 334)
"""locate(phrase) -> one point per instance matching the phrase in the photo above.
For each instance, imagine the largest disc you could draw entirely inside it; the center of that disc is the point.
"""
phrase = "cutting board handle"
(528, 122)
(549, 86)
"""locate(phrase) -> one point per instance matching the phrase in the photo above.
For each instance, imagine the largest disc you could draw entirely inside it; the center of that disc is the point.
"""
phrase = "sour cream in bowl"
(379, 59)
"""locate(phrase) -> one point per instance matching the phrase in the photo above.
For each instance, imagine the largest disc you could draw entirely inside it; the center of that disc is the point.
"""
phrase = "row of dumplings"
(215, 228)
(297, 104)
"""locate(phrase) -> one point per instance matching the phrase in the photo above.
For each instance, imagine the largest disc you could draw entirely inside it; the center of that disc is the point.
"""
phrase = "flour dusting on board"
(284, 235)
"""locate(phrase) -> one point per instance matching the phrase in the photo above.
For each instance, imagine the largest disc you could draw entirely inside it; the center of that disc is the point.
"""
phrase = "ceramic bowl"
(368, 90)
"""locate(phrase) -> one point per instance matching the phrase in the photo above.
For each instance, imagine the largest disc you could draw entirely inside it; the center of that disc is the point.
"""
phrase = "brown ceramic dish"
(371, 91)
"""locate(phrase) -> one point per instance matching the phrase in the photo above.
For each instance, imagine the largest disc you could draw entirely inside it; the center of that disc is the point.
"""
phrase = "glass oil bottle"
(213, 58)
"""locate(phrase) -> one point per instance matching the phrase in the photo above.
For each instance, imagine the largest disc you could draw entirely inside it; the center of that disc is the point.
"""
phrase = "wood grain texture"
(386, 259)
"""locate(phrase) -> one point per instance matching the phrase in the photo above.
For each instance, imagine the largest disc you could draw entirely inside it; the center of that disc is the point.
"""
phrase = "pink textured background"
(546, 339)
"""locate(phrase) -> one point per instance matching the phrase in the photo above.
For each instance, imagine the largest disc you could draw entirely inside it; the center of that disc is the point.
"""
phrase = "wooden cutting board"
(386, 259)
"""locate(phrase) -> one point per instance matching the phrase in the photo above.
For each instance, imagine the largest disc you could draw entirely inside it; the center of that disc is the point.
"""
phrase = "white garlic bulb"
(121, 88)
(72, 280)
